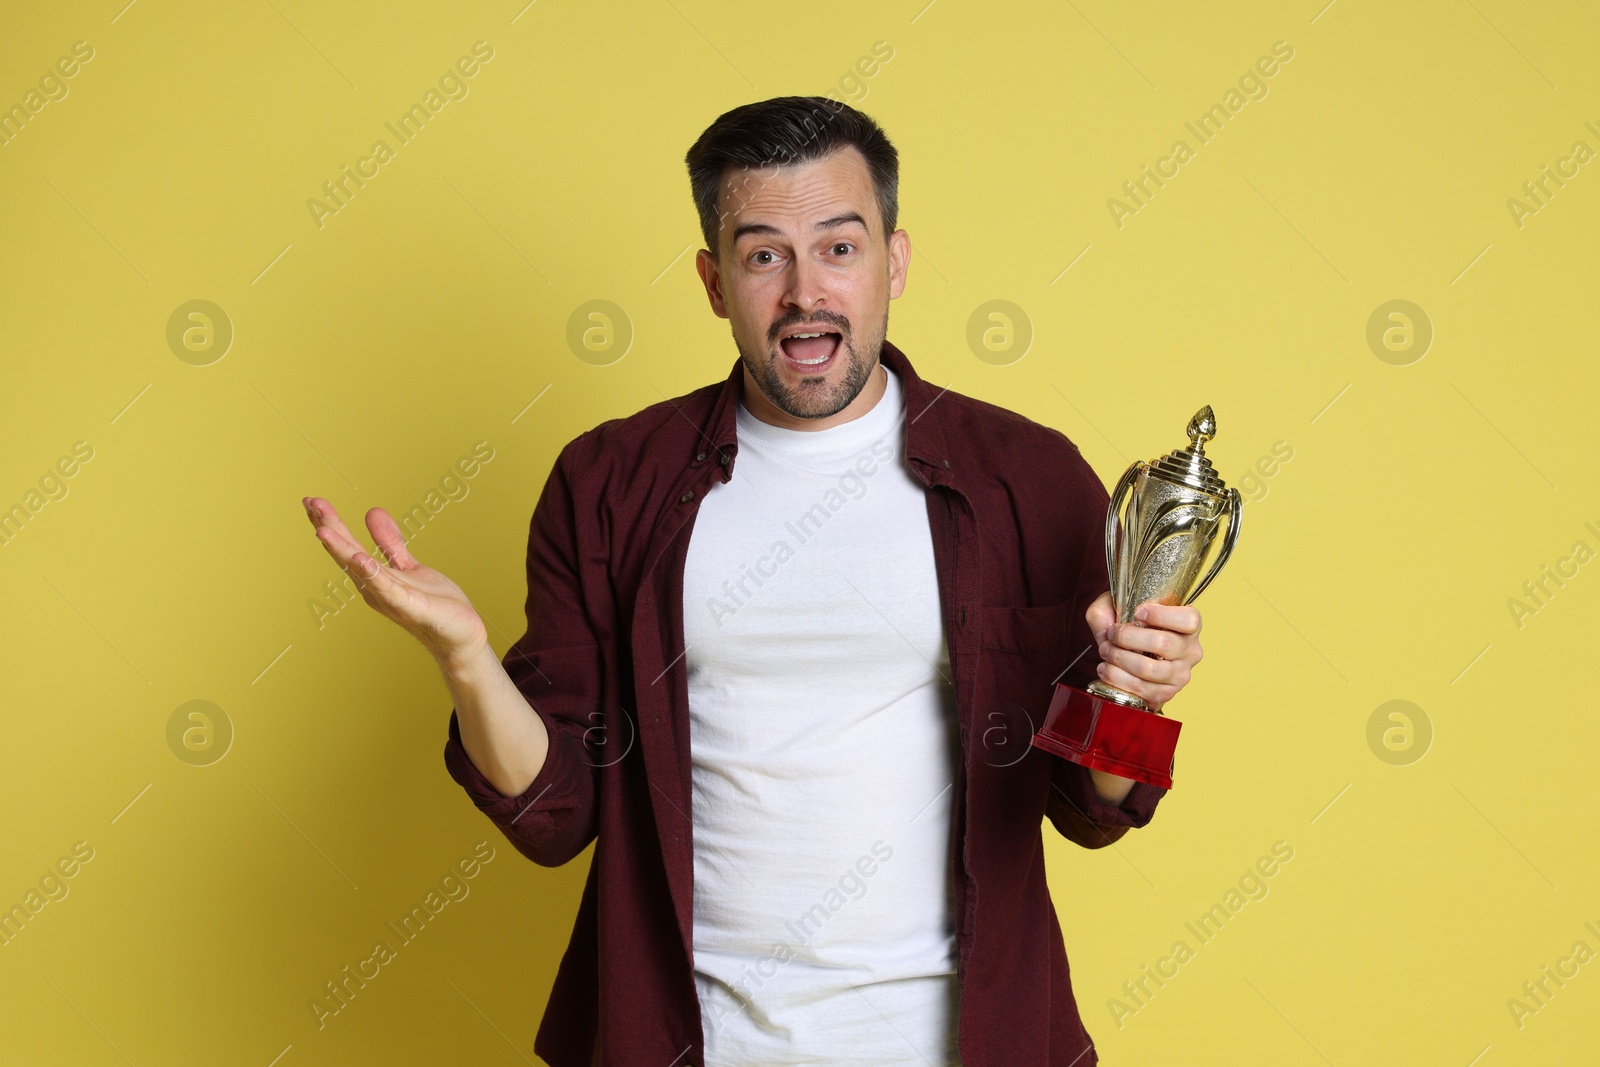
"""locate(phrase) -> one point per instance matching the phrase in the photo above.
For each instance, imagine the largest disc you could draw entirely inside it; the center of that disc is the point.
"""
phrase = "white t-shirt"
(823, 741)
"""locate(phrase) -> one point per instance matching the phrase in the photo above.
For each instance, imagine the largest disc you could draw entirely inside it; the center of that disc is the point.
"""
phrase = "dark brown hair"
(786, 130)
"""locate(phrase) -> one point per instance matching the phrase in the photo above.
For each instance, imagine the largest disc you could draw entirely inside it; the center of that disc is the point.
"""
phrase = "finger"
(1181, 618)
(324, 517)
(1152, 693)
(1143, 667)
(386, 532)
(346, 551)
(1100, 614)
(1163, 643)
(373, 580)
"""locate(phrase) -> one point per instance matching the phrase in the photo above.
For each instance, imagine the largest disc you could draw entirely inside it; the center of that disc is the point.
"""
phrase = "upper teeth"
(793, 335)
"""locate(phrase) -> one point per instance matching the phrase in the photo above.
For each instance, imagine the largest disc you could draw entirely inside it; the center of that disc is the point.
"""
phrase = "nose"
(807, 290)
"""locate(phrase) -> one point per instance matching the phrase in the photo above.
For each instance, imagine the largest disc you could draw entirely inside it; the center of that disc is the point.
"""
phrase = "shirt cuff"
(555, 785)
(1135, 810)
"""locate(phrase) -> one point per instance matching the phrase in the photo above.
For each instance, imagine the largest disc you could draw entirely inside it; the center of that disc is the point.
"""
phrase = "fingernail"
(1142, 614)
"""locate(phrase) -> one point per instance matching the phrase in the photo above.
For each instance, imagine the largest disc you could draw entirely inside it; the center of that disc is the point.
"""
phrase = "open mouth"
(812, 351)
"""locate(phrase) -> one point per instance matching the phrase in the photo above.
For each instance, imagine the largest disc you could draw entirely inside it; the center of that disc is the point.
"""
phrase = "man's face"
(801, 250)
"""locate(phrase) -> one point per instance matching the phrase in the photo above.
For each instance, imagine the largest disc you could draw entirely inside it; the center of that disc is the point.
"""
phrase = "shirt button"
(685, 498)
(722, 458)
(946, 464)
(700, 457)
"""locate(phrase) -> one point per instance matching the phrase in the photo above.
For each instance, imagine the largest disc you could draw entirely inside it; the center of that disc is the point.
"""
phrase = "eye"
(762, 252)
(844, 244)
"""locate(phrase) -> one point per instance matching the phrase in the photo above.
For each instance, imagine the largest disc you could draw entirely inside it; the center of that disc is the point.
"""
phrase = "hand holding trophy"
(1175, 507)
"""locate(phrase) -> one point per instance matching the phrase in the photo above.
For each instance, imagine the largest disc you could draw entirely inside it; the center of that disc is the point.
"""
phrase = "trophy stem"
(1120, 696)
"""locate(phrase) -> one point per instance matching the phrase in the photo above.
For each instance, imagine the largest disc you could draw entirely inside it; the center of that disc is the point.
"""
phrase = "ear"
(899, 262)
(706, 264)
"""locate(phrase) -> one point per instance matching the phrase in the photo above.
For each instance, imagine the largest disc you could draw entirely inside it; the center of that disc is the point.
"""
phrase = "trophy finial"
(1202, 428)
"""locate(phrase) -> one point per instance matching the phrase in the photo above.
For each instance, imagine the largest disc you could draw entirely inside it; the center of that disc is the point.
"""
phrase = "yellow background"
(372, 353)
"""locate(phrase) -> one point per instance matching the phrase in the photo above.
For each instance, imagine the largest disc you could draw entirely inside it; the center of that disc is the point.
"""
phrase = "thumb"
(386, 532)
(1100, 614)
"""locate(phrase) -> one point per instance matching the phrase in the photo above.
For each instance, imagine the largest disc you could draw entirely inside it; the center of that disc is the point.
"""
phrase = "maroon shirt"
(1018, 521)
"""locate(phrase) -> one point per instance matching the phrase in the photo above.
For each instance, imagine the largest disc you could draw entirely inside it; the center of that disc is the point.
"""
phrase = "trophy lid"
(1190, 466)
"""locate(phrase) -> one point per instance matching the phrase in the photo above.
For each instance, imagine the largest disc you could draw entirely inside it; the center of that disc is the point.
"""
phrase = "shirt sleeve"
(1074, 808)
(557, 666)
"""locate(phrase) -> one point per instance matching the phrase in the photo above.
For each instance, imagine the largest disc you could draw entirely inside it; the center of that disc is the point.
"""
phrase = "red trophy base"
(1104, 735)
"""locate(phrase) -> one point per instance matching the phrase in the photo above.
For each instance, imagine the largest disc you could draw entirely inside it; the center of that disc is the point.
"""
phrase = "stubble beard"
(813, 399)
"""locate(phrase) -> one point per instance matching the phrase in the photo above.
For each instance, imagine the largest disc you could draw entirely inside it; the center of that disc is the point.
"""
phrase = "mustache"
(841, 323)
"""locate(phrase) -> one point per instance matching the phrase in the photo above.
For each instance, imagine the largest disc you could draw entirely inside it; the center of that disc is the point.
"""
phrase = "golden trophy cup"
(1154, 551)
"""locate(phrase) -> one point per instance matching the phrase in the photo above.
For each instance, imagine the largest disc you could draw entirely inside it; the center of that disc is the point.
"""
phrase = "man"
(788, 636)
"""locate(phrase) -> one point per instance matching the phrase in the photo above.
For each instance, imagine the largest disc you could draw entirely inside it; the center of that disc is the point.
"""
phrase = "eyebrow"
(825, 224)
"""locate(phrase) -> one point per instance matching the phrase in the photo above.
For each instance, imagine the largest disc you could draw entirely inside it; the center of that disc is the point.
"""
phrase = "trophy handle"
(1235, 510)
(1113, 520)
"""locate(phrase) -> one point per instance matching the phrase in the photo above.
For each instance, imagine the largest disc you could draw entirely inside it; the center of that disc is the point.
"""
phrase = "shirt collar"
(925, 436)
